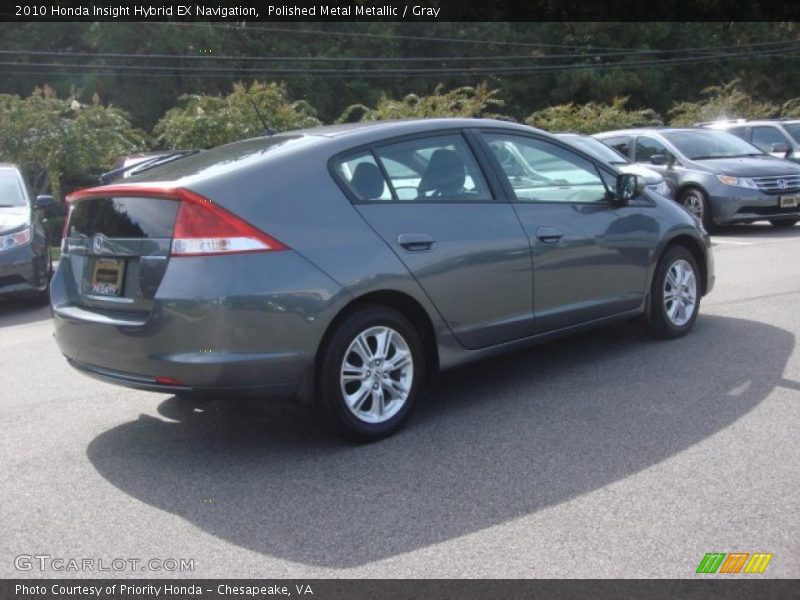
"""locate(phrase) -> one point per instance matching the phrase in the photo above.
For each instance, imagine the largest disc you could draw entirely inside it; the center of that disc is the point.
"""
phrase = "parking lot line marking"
(736, 243)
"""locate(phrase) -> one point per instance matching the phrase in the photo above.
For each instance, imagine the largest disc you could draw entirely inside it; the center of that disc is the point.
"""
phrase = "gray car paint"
(254, 322)
(729, 204)
(24, 270)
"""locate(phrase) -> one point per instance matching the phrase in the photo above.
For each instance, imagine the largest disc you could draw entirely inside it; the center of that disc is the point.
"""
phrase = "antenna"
(267, 129)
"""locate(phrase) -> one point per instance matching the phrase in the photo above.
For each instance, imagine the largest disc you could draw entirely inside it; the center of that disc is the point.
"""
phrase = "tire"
(364, 401)
(696, 202)
(784, 223)
(670, 316)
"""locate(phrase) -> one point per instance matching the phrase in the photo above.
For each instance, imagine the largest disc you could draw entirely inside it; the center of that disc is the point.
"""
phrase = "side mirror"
(658, 159)
(781, 148)
(628, 187)
(44, 202)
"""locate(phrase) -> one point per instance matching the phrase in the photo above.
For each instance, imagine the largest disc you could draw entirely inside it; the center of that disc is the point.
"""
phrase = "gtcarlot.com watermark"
(60, 564)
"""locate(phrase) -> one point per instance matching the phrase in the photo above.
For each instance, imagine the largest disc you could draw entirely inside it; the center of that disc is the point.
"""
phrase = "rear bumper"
(748, 206)
(212, 328)
(149, 384)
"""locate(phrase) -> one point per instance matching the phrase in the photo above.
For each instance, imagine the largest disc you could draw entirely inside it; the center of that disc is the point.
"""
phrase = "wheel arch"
(402, 303)
(696, 248)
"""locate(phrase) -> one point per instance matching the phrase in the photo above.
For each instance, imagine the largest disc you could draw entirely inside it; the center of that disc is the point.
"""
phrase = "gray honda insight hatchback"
(344, 264)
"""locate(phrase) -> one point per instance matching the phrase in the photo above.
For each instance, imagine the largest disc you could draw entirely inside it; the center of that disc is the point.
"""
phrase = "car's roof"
(401, 126)
(320, 141)
(651, 130)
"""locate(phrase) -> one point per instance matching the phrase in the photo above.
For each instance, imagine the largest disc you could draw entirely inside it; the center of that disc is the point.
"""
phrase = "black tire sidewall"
(660, 323)
(708, 221)
(328, 385)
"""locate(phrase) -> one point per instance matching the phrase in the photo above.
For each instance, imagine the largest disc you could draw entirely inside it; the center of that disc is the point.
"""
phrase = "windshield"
(702, 144)
(793, 129)
(10, 189)
(597, 149)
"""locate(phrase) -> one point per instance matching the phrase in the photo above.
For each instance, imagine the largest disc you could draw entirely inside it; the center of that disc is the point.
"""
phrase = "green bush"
(478, 101)
(727, 101)
(61, 143)
(592, 117)
(205, 121)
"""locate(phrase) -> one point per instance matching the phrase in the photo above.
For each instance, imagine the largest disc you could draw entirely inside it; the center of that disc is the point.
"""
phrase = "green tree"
(202, 121)
(592, 117)
(728, 101)
(61, 143)
(478, 101)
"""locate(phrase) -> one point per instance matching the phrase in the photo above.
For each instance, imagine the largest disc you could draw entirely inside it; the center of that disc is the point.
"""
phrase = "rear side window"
(620, 144)
(738, 132)
(364, 177)
(431, 169)
(123, 217)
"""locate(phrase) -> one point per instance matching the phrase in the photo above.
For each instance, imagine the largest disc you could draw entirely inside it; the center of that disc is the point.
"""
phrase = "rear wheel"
(784, 223)
(370, 373)
(674, 294)
(696, 202)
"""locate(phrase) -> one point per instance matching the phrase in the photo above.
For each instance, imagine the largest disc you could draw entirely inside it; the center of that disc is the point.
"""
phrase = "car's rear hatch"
(119, 240)
(116, 248)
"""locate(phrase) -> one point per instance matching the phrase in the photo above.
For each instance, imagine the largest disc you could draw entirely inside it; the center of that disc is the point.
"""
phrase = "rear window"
(123, 217)
(10, 189)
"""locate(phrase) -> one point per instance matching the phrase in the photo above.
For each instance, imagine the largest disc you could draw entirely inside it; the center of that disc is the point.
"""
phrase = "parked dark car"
(653, 180)
(718, 177)
(343, 264)
(25, 266)
(778, 137)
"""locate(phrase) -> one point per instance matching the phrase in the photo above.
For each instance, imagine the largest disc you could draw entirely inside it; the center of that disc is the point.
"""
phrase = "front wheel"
(370, 373)
(674, 294)
(696, 202)
(783, 223)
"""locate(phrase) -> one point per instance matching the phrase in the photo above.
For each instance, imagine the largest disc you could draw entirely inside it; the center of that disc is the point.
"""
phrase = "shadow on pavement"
(493, 442)
(22, 311)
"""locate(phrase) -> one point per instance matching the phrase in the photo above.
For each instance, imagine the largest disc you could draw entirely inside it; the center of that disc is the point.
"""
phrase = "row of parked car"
(344, 264)
(723, 172)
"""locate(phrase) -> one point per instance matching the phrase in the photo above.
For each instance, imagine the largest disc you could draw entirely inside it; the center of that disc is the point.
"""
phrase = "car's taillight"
(203, 228)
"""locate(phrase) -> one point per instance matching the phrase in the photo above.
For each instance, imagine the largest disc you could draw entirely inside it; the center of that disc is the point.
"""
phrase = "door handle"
(415, 242)
(549, 235)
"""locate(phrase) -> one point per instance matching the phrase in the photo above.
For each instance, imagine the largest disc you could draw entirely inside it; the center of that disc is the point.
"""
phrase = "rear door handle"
(415, 242)
(549, 235)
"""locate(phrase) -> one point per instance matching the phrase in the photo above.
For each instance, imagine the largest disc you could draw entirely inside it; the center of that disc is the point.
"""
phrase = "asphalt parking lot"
(605, 455)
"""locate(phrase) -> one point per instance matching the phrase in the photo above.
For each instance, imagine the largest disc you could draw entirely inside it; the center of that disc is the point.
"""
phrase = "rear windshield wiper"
(146, 164)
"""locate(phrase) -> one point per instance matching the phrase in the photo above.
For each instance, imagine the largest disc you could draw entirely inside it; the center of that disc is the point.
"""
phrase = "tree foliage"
(728, 101)
(61, 142)
(593, 117)
(478, 101)
(203, 121)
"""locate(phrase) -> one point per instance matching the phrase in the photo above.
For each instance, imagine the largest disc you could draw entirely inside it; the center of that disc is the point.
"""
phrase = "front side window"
(440, 168)
(647, 148)
(764, 137)
(539, 171)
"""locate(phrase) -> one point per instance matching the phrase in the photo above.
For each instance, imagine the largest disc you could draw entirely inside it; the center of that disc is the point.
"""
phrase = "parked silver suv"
(778, 137)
